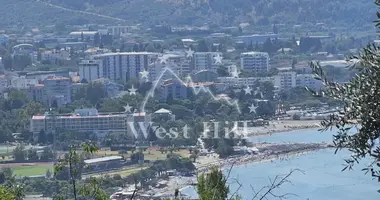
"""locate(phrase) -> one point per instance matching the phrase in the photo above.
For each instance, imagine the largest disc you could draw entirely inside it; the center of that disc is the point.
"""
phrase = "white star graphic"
(163, 59)
(218, 59)
(189, 53)
(248, 90)
(127, 108)
(252, 108)
(144, 74)
(235, 74)
(132, 91)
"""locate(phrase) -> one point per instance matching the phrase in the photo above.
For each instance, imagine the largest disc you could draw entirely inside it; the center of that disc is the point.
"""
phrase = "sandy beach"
(204, 163)
(283, 126)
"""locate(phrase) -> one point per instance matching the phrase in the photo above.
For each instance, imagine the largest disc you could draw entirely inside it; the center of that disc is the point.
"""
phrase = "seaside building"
(204, 76)
(42, 75)
(55, 55)
(90, 70)
(21, 82)
(308, 80)
(205, 61)
(174, 90)
(255, 61)
(57, 91)
(241, 82)
(126, 65)
(285, 80)
(37, 93)
(253, 39)
(90, 120)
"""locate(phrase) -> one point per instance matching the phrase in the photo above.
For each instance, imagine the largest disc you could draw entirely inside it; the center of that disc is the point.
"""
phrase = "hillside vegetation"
(192, 12)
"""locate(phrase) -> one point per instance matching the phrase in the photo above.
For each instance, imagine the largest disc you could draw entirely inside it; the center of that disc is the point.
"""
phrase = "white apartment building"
(118, 30)
(57, 90)
(125, 65)
(22, 82)
(308, 80)
(90, 70)
(254, 61)
(178, 63)
(285, 80)
(3, 82)
(243, 82)
(54, 55)
(205, 61)
(89, 120)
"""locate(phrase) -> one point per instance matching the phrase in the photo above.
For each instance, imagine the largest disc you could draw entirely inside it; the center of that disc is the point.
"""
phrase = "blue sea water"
(321, 177)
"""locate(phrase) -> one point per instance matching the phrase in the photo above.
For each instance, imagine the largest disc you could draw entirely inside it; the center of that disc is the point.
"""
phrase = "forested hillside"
(220, 12)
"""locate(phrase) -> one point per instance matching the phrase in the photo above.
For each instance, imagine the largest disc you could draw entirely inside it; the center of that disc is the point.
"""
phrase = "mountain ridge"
(191, 12)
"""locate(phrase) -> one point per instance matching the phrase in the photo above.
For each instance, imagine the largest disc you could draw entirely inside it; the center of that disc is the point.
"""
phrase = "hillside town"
(161, 103)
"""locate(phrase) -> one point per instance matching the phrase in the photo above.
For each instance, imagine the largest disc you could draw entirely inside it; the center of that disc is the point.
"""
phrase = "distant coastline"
(283, 126)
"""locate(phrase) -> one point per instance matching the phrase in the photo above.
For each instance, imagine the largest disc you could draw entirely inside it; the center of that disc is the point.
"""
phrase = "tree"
(268, 46)
(2, 177)
(202, 46)
(212, 185)
(48, 174)
(97, 39)
(42, 137)
(72, 162)
(361, 106)
(32, 155)
(5, 194)
(19, 153)
(47, 154)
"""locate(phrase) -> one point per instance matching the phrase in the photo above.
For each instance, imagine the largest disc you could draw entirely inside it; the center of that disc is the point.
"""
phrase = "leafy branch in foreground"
(361, 105)
(276, 183)
(73, 161)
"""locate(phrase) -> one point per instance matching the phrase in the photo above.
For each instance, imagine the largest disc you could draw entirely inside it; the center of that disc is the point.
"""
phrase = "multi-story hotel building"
(255, 61)
(205, 61)
(89, 120)
(125, 65)
(90, 70)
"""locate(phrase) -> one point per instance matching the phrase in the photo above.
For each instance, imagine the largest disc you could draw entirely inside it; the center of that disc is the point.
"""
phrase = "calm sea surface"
(322, 178)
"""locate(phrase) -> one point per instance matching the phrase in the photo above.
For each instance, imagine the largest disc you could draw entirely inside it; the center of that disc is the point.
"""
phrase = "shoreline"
(255, 159)
(283, 126)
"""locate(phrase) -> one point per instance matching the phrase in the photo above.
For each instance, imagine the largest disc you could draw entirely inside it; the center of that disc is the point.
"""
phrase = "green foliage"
(361, 106)
(19, 153)
(73, 164)
(212, 185)
(92, 92)
(153, 12)
(5, 194)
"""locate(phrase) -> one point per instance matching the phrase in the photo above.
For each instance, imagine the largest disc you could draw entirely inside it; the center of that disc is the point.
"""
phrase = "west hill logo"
(168, 69)
(239, 128)
(189, 82)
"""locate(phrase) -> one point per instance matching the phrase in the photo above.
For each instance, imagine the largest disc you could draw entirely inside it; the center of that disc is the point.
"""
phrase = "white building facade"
(126, 65)
(21, 82)
(90, 70)
(205, 61)
(308, 80)
(243, 82)
(285, 80)
(54, 55)
(89, 120)
(255, 62)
